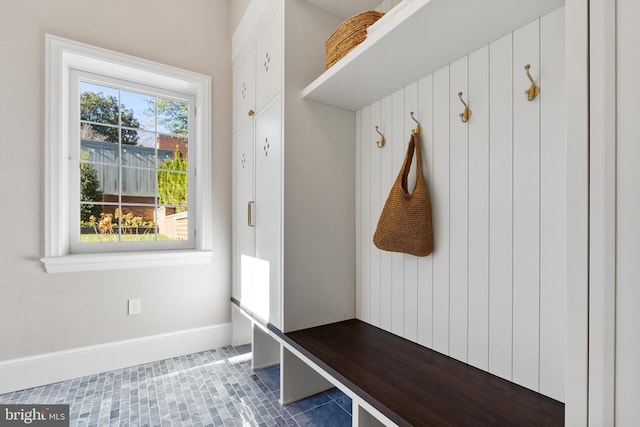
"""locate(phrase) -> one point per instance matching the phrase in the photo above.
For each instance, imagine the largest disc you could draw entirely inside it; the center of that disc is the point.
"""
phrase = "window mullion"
(120, 178)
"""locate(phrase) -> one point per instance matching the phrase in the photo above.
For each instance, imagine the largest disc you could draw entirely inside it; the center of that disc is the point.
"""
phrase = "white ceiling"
(345, 8)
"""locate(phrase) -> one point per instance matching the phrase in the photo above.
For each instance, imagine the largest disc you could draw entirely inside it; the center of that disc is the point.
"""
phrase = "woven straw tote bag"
(405, 224)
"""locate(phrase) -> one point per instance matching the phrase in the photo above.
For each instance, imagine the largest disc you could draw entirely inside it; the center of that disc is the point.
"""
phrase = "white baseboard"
(33, 371)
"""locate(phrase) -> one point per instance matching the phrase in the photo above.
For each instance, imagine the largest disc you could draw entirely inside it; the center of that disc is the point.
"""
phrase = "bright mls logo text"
(39, 415)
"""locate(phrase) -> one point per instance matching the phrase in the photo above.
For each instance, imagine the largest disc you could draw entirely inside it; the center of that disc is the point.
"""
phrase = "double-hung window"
(127, 161)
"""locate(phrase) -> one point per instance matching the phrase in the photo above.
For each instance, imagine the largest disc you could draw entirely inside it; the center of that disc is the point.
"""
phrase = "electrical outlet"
(135, 306)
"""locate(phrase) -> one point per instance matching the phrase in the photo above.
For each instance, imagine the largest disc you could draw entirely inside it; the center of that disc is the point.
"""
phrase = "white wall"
(39, 312)
(492, 294)
(238, 7)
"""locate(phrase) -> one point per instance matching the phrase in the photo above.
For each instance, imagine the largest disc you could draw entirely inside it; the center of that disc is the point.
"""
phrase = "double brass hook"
(381, 143)
(534, 90)
(418, 129)
(464, 116)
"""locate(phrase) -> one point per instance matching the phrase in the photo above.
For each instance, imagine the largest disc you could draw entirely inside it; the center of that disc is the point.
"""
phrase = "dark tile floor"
(212, 388)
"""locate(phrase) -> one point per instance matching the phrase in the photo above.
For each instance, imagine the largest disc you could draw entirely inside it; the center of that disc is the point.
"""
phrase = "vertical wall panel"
(360, 278)
(526, 210)
(627, 175)
(425, 264)
(459, 210)
(397, 260)
(500, 207)
(440, 201)
(492, 294)
(376, 208)
(411, 262)
(365, 215)
(553, 211)
(386, 181)
(479, 210)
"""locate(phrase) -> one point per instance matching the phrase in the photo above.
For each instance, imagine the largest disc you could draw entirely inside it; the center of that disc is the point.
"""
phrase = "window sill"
(124, 260)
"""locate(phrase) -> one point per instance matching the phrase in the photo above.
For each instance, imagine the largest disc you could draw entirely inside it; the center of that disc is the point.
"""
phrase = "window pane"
(173, 117)
(146, 139)
(139, 182)
(99, 152)
(99, 104)
(99, 227)
(139, 156)
(173, 223)
(136, 223)
(138, 110)
(172, 188)
(98, 183)
(90, 132)
(171, 148)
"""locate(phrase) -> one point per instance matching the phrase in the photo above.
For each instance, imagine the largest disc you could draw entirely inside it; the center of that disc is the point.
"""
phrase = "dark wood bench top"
(413, 385)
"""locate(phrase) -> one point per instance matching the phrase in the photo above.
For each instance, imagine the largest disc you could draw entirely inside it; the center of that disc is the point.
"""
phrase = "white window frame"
(63, 56)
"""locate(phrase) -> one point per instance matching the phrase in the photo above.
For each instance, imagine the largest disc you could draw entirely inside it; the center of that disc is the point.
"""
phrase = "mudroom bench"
(412, 385)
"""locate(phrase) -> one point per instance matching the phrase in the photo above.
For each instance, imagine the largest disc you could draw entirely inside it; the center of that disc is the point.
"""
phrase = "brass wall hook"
(534, 90)
(381, 143)
(418, 129)
(464, 116)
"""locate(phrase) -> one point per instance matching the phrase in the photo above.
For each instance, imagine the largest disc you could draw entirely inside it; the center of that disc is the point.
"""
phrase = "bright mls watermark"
(34, 415)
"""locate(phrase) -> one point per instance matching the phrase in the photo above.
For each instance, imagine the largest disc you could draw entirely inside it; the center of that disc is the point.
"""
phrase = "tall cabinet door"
(244, 90)
(244, 219)
(269, 61)
(268, 146)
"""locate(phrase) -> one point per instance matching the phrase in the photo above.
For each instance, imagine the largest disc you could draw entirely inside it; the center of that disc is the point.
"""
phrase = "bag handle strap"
(414, 145)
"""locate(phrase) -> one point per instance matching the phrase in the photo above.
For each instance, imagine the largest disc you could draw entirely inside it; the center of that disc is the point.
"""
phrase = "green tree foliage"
(173, 186)
(98, 108)
(173, 115)
(89, 189)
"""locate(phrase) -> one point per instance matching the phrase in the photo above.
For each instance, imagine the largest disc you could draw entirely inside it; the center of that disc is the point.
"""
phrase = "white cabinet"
(268, 186)
(257, 168)
(294, 267)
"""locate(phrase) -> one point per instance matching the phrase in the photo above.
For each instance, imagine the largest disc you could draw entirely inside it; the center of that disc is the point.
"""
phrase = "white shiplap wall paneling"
(365, 219)
(386, 180)
(553, 213)
(425, 264)
(478, 318)
(500, 207)
(440, 210)
(526, 210)
(492, 294)
(360, 248)
(458, 209)
(411, 263)
(376, 207)
(397, 260)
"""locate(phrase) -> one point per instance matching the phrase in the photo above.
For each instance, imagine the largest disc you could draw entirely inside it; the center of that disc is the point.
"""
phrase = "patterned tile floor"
(212, 388)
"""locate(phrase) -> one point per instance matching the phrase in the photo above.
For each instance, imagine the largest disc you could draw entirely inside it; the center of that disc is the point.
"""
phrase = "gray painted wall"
(42, 312)
(238, 7)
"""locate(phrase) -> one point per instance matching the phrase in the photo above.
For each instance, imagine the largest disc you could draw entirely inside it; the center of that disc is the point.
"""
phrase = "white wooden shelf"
(416, 39)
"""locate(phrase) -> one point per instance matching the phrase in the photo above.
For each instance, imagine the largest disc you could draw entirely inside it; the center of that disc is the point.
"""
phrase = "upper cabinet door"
(244, 90)
(269, 60)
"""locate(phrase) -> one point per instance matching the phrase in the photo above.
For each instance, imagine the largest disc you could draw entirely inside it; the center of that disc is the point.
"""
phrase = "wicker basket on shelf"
(348, 35)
